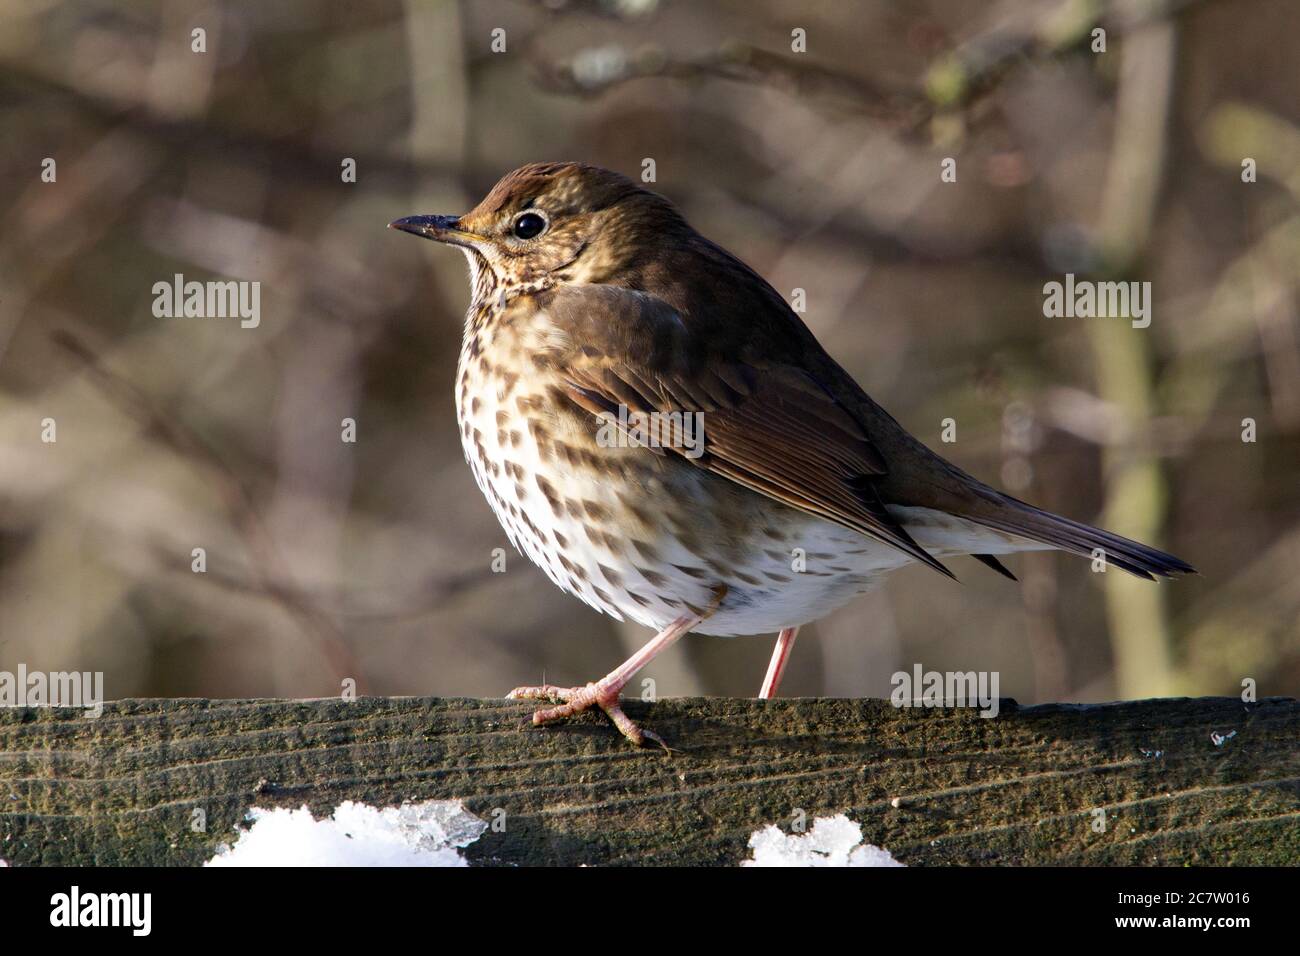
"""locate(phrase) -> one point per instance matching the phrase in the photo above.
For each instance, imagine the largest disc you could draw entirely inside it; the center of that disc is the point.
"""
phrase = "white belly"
(781, 573)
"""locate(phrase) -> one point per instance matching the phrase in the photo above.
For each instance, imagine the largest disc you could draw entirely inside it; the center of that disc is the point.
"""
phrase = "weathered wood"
(1020, 788)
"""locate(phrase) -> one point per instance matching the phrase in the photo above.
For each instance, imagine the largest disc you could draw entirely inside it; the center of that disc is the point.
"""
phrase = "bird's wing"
(769, 424)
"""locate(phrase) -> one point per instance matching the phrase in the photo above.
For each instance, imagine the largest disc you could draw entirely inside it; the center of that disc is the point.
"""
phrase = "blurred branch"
(956, 81)
(1225, 331)
(1135, 501)
(607, 9)
(594, 71)
(102, 183)
(439, 87)
(273, 577)
(1230, 134)
(242, 146)
(206, 136)
(1275, 291)
(1233, 131)
(1247, 626)
(979, 64)
(385, 608)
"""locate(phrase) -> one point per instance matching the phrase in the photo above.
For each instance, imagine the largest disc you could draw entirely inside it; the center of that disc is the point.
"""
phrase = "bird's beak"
(438, 228)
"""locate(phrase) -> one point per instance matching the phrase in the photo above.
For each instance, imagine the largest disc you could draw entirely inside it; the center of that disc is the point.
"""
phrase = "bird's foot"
(604, 692)
(574, 700)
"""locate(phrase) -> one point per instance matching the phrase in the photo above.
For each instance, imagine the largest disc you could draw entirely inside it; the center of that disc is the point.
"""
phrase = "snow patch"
(414, 834)
(832, 841)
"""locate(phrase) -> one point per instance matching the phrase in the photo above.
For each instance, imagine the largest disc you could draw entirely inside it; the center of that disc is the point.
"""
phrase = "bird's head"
(552, 223)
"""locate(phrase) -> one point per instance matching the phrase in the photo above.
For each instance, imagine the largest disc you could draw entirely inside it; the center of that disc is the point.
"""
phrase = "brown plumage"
(594, 302)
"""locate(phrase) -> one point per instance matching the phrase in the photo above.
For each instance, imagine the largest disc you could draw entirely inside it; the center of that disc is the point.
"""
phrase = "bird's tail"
(1013, 516)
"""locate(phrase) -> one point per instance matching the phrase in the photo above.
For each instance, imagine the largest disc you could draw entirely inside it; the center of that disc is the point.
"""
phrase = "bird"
(658, 431)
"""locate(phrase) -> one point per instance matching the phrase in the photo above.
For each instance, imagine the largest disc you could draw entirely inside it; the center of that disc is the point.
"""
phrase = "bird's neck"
(482, 280)
(490, 293)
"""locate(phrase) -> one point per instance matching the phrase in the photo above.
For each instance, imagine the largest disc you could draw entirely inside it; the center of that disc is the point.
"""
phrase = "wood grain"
(1019, 788)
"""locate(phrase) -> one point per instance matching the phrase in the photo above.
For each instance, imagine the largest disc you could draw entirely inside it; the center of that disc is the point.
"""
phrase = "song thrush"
(596, 307)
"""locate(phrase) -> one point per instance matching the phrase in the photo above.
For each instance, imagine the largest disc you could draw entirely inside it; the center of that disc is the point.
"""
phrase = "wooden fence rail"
(1176, 784)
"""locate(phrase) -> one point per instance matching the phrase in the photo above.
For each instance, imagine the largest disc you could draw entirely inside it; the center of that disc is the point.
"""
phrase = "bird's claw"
(574, 700)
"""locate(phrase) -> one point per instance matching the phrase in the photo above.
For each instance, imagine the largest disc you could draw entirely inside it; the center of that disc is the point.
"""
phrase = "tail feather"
(1017, 517)
(989, 561)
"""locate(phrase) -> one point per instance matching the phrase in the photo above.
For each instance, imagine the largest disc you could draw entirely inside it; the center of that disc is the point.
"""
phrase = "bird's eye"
(529, 225)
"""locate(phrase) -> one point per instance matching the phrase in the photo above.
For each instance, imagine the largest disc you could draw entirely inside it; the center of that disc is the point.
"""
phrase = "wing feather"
(768, 426)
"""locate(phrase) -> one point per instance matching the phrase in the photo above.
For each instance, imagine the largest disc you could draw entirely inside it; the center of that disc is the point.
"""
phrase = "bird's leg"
(776, 667)
(604, 692)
